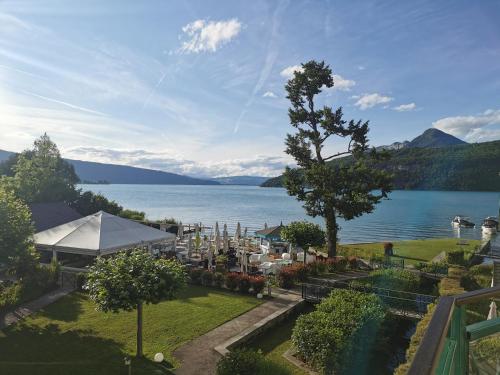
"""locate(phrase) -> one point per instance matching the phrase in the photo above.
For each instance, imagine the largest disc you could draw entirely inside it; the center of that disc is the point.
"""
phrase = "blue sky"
(197, 87)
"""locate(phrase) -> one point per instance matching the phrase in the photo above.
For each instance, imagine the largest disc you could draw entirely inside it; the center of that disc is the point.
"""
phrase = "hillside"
(458, 167)
(122, 174)
(241, 180)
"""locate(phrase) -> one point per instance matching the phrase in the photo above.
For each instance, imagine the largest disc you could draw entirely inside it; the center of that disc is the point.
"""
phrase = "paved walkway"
(199, 357)
(29, 308)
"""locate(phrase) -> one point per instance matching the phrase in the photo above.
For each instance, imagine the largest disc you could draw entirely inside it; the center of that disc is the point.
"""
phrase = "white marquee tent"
(100, 234)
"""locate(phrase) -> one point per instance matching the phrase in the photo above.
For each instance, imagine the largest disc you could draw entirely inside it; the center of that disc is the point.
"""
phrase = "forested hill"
(90, 172)
(460, 167)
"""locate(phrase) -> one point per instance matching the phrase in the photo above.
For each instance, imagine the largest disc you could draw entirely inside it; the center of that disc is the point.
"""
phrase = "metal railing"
(444, 348)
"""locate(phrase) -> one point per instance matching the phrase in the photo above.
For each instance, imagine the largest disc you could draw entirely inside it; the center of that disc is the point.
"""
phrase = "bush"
(232, 280)
(337, 335)
(248, 362)
(195, 275)
(353, 263)
(244, 283)
(456, 257)
(218, 279)
(302, 271)
(287, 277)
(258, 283)
(340, 264)
(395, 278)
(207, 278)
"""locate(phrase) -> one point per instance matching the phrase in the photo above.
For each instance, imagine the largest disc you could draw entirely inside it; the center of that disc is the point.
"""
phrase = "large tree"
(126, 281)
(345, 190)
(42, 175)
(16, 235)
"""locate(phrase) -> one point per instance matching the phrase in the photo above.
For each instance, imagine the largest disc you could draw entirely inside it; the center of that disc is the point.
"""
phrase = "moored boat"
(490, 225)
(463, 222)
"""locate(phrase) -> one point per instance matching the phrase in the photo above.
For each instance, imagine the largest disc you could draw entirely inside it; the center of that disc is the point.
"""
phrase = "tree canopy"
(126, 281)
(342, 190)
(303, 234)
(16, 231)
(41, 175)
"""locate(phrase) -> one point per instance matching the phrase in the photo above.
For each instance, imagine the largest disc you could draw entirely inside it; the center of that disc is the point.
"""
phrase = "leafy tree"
(343, 190)
(89, 203)
(7, 166)
(303, 234)
(16, 231)
(128, 280)
(41, 175)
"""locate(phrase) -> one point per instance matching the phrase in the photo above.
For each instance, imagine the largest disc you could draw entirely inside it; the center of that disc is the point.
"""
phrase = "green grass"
(77, 339)
(413, 252)
(276, 341)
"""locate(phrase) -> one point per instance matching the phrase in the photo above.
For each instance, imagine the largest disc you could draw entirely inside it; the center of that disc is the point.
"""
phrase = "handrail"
(427, 357)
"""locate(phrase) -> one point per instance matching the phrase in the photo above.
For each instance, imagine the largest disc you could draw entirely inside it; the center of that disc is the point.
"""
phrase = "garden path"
(30, 307)
(199, 356)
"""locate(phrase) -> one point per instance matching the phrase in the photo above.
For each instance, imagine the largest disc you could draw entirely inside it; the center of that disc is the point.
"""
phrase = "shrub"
(258, 283)
(244, 283)
(395, 278)
(341, 264)
(287, 277)
(248, 362)
(218, 279)
(456, 257)
(195, 275)
(207, 278)
(301, 271)
(232, 280)
(353, 263)
(337, 335)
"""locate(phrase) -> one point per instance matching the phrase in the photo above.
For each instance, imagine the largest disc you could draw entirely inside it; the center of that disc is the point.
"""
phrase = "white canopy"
(99, 234)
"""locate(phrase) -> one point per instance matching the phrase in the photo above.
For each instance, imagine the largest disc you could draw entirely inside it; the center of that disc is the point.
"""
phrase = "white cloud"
(289, 70)
(371, 100)
(477, 128)
(361, 67)
(405, 107)
(208, 36)
(269, 94)
(341, 83)
(260, 165)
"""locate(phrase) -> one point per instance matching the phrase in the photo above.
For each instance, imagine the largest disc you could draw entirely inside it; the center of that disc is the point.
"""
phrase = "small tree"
(303, 234)
(16, 235)
(41, 175)
(331, 190)
(128, 280)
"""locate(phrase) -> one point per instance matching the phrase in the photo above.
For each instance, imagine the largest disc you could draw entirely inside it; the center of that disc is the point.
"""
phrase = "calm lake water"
(407, 215)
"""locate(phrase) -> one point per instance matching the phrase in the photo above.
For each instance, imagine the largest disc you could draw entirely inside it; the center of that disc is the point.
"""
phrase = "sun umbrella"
(189, 246)
(493, 311)
(225, 240)
(245, 232)
(217, 238)
(265, 225)
(237, 234)
(180, 230)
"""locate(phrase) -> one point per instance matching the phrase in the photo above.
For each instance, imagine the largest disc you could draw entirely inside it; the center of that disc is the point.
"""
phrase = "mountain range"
(92, 173)
(436, 161)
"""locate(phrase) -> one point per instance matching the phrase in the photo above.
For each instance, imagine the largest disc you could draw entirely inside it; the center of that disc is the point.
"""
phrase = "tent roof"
(270, 233)
(100, 233)
(52, 214)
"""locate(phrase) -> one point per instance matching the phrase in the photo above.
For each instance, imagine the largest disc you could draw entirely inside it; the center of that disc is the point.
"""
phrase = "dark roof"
(271, 232)
(49, 215)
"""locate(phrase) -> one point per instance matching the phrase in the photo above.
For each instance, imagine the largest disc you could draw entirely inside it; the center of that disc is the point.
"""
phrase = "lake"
(406, 215)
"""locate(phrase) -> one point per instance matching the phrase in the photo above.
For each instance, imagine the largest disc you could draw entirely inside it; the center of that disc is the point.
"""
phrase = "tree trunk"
(331, 233)
(139, 330)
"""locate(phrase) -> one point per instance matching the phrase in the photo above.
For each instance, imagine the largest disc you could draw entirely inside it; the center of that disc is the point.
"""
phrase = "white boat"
(462, 221)
(490, 225)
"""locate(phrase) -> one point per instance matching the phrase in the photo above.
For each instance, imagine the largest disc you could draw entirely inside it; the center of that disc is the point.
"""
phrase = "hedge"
(337, 336)
(248, 362)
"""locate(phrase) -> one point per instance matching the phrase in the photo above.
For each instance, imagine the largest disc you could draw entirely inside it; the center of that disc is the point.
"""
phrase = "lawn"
(276, 341)
(414, 251)
(70, 336)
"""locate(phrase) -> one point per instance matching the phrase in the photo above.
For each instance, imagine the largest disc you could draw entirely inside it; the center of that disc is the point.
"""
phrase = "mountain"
(433, 138)
(122, 174)
(467, 167)
(91, 172)
(241, 180)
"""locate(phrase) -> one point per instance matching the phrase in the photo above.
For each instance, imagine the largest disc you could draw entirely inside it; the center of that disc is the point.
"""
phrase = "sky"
(197, 87)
